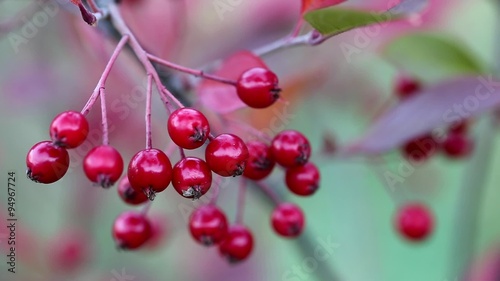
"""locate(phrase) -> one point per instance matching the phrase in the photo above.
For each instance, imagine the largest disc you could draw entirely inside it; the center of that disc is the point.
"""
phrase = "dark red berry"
(259, 164)
(103, 165)
(46, 163)
(290, 148)
(258, 87)
(130, 195)
(421, 148)
(188, 128)
(69, 129)
(303, 180)
(457, 145)
(414, 221)
(191, 177)
(150, 171)
(226, 155)
(208, 225)
(131, 230)
(237, 245)
(406, 87)
(288, 220)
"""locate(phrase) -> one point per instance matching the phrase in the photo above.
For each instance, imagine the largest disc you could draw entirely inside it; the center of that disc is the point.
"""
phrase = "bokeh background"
(55, 66)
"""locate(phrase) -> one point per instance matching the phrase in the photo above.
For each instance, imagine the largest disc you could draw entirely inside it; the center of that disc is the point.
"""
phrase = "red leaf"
(442, 104)
(310, 5)
(222, 98)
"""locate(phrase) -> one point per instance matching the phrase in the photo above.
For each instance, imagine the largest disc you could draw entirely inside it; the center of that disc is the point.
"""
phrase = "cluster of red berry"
(150, 171)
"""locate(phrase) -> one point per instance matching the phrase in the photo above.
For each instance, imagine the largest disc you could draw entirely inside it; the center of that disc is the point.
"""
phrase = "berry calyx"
(188, 128)
(303, 180)
(103, 165)
(414, 222)
(457, 146)
(150, 172)
(237, 245)
(406, 87)
(258, 87)
(290, 148)
(191, 177)
(131, 230)
(69, 129)
(46, 162)
(130, 195)
(288, 220)
(420, 149)
(259, 163)
(226, 155)
(208, 225)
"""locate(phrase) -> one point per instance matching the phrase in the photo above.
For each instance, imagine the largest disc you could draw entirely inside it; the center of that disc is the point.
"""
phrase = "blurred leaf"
(222, 98)
(442, 104)
(310, 5)
(432, 57)
(332, 21)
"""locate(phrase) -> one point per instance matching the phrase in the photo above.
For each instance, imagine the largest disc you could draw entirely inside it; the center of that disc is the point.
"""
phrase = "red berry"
(69, 251)
(188, 128)
(130, 195)
(237, 245)
(191, 177)
(131, 230)
(226, 155)
(258, 87)
(150, 171)
(208, 225)
(414, 221)
(406, 87)
(103, 165)
(46, 163)
(259, 164)
(303, 180)
(69, 129)
(288, 220)
(290, 148)
(421, 148)
(457, 145)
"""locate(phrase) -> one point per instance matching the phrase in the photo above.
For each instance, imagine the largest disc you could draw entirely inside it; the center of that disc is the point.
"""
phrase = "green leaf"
(332, 21)
(432, 57)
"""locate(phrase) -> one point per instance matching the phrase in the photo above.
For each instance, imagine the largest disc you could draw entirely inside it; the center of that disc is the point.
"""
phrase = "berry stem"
(181, 152)
(149, 90)
(197, 73)
(105, 134)
(269, 192)
(93, 6)
(241, 200)
(283, 43)
(146, 208)
(104, 76)
(142, 55)
(216, 187)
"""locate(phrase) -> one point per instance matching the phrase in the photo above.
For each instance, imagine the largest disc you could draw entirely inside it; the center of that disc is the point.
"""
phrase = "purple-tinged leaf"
(438, 105)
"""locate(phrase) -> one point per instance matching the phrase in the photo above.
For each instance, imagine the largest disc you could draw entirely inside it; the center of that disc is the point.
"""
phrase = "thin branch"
(104, 116)
(149, 91)
(93, 6)
(271, 194)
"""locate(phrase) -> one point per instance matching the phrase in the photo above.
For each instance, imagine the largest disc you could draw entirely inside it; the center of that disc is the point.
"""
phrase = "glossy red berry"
(237, 245)
(191, 177)
(258, 87)
(188, 128)
(208, 225)
(131, 230)
(259, 164)
(288, 220)
(150, 171)
(226, 155)
(406, 87)
(457, 145)
(130, 195)
(303, 180)
(414, 221)
(103, 165)
(420, 149)
(290, 148)
(69, 129)
(46, 162)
